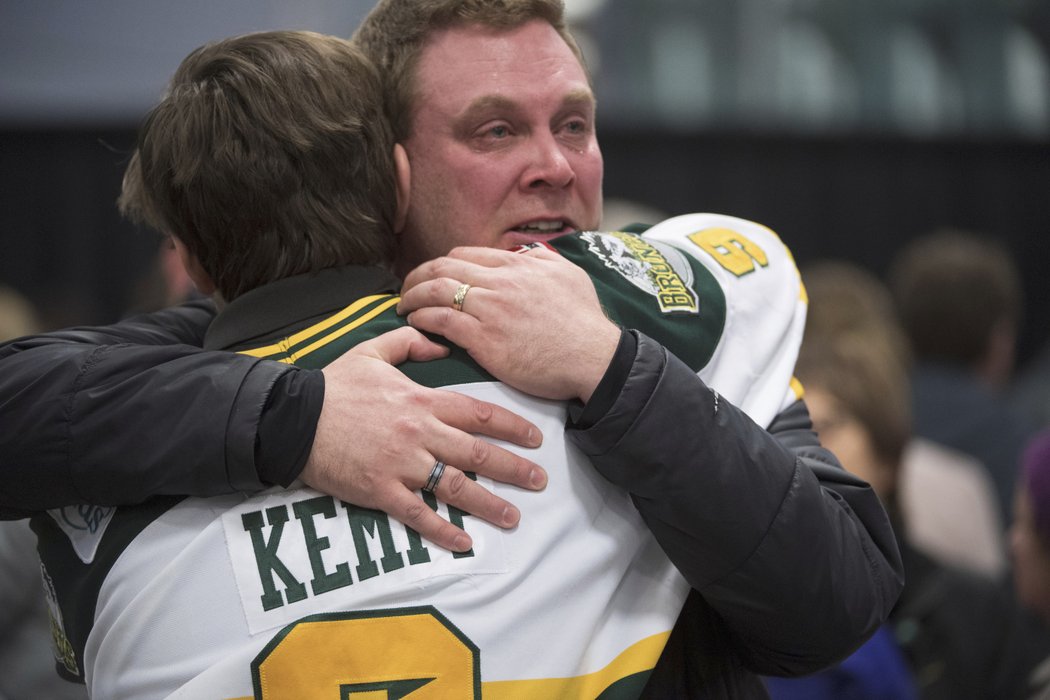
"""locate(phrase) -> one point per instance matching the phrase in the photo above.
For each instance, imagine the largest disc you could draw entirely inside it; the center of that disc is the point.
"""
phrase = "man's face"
(848, 439)
(502, 146)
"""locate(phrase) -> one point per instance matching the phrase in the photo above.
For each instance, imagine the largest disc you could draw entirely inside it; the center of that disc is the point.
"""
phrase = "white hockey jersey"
(294, 594)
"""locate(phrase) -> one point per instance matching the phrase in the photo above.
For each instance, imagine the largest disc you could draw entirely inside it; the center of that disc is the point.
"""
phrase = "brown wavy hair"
(268, 157)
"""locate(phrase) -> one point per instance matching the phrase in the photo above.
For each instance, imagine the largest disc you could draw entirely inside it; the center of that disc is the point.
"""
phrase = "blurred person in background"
(27, 668)
(961, 633)
(948, 501)
(1031, 388)
(1030, 545)
(958, 297)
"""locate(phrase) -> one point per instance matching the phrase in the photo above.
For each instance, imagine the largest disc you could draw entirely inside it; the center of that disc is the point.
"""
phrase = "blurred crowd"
(911, 381)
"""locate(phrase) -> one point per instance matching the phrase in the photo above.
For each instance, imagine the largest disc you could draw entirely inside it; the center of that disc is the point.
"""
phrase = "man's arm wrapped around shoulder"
(92, 415)
(794, 554)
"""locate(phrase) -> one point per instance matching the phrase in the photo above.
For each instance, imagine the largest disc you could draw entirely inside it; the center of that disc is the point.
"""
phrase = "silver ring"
(460, 296)
(435, 476)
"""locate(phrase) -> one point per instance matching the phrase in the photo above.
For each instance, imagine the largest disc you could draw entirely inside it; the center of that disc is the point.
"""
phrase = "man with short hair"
(770, 534)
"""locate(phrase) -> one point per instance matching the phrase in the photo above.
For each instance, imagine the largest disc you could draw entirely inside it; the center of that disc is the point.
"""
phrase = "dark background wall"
(847, 127)
(854, 197)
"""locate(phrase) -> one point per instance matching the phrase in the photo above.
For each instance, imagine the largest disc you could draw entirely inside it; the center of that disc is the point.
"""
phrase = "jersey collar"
(291, 304)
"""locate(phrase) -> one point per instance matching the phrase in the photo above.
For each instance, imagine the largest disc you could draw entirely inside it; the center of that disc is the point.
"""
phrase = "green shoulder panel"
(654, 288)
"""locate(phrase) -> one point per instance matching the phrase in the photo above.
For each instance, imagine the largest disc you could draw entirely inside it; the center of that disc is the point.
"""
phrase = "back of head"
(869, 383)
(269, 156)
(954, 291)
(395, 32)
(844, 298)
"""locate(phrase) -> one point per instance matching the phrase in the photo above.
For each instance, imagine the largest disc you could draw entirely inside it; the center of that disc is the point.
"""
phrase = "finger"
(439, 293)
(399, 345)
(542, 251)
(411, 510)
(435, 292)
(455, 269)
(481, 256)
(475, 454)
(457, 327)
(459, 490)
(472, 415)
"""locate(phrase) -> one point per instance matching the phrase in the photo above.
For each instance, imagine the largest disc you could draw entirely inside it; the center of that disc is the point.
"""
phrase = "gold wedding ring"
(461, 294)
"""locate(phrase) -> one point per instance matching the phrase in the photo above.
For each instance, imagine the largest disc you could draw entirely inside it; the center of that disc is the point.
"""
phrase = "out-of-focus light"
(581, 10)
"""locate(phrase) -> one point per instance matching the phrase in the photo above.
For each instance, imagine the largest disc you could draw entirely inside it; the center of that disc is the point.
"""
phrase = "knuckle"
(479, 452)
(455, 483)
(367, 482)
(434, 294)
(440, 267)
(408, 420)
(482, 410)
(416, 513)
(521, 471)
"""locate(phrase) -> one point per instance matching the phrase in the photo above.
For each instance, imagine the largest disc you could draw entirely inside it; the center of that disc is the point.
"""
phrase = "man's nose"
(549, 165)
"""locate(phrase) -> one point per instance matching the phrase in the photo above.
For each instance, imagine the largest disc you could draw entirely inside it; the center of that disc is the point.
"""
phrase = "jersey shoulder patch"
(653, 287)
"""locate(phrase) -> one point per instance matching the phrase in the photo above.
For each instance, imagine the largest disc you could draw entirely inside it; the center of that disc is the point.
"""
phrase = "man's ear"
(403, 176)
(202, 279)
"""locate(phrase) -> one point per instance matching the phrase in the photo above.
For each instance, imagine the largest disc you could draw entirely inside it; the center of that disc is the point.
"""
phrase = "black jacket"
(792, 560)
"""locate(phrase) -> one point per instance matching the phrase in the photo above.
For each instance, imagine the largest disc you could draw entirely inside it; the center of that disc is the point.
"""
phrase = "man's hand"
(532, 319)
(379, 435)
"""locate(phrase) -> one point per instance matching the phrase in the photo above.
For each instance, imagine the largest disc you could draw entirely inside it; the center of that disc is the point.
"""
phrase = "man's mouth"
(542, 228)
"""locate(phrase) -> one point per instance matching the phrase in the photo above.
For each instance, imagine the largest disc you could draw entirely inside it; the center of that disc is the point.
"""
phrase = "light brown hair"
(870, 383)
(268, 157)
(855, 351)
(395, 32)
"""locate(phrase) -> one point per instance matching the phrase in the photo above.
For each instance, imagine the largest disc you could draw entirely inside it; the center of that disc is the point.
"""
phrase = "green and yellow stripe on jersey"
(293, 348)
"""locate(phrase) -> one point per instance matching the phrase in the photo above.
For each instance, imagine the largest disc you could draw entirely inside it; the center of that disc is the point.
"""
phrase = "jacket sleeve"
(102, 415)
(794, 554)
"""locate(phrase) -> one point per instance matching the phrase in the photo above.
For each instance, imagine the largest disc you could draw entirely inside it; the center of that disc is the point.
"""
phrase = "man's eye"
(499, 132)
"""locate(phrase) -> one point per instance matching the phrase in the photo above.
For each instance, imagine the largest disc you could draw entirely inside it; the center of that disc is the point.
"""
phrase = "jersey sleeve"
(753, 362)
(720, 293)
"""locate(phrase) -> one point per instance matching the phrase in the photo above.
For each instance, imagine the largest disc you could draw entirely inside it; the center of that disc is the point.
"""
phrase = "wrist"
(287, 427)
(597, 360)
